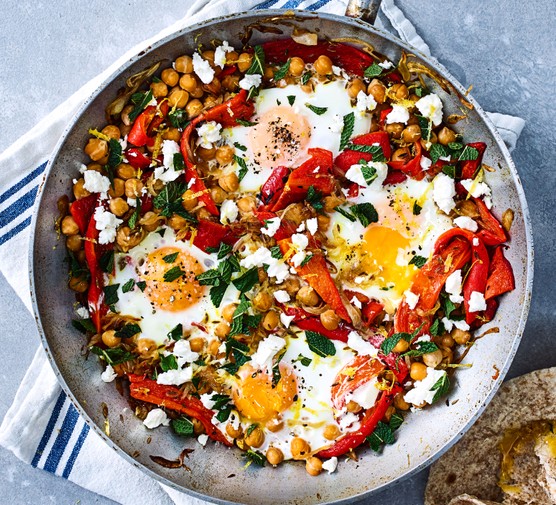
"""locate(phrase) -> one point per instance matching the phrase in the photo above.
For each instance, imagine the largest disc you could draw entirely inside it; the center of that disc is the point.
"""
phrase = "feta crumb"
(348, 420)
(466, 223)
(299, 241)
(362, 347)
(386, 64)
(271, 226)
(430, 106)
(425, 163)
(183, 353)
(208, 133)
(250, 81)
(366, 394)
(312, 225)
(366, 102)
(107, 223)
(298, 258)
(422, 390)
(424, 338)
(203, 439)
(262, 358)
(281, 296)
(399, 114)
(82, 312)
(228, 212)
(355, 301)
(330, 465)
(453, 286)
(220, 53)
(191, 182)
(108, 375)
(443, 192)
(301, 227)
(477, 302)
(336, 70)
(359, 279)
(202, 68)
(411, 299)
(475, 241)
(175, 377)
(449, 324)
(156, 418)
(337, 124)
(286, 320)
(167, 172)
(478, 189)
(354, 174)
(262, 256)
(95, 182)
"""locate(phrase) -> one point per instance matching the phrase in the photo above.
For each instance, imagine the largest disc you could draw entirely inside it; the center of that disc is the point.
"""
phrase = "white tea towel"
(42, 427)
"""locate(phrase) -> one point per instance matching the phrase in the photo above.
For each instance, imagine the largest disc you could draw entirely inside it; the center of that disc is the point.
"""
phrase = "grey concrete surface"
(505, 48)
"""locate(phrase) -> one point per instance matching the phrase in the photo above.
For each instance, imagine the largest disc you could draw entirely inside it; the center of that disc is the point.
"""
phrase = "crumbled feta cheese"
(430, 106)
(425, 163)
(476, 188)
(466, 223)
(107, 223)
(337, 124)
(262, 358)
(355, 301)
(82, 312)
(330, 465)
(354, 174)
(424, 338)
(202, 68)
(132, 202)
(299, 241)
(348, 420)
(411, 299)
(365, 395)
(175, 377)
(300, 228)
(262, 256)
(250, 81)
(108, 375)
(95, 182)
(183, 353)
(281, 296)
(366, 102)
(386, 64)
(286, 320)
(167, 172)
(449, 325)
(477, 302)
(191, 182)
(206, 400)
(123, 143)
(203, 439)
(298, 258)
(475, 241)
(443, 192)
(359, 279)
(336, 70)
(399, 114)
(362, 347)
(312, 225)
(453, 286)
(422, 390)
(152, 102)
(156, 418)
(220, 53)
(271, 226)
(228, 212)
(208, 133)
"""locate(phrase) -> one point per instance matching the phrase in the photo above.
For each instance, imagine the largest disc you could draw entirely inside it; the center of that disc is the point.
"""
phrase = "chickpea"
(246, 204)
(97, 167)
(197, 344)
(74, 243)
(228, 312)
(203, 213)
(447, 355)
(69, 226)
(218, 195)
(117, 188)
(146, 346)
(172, 134)
(188, 200)
(395, 130)
(193, 108)
(323, 65)
(79, 191)
(125, 171)
(255, 438)
(461, 337)
(78, 284)
(109, 339)
(300, 448)
(323, 222)
(313, 466)
(229, 182)
(111, 131)
(447, 341)
(331, 432)
(222, 330)
(184, 64)
(401, 346)
(412, 133)
(274, 456)
(213, 347)
(262, 301)
(150, 221)
(96, 149)
(401, 154)
(230, 82)
(206, 154)
(378, 90)
(353, 407)
(446, 136)
(434, 138)
(118, 206)
(177, 222)
(263, 276)
(400, 403)
(418, 371)
(159, 89)
(292, 286)
(127, 238)
(133, 188)
(170, 77)
(355, 87)
(225, 155)
(389, 413)
(231, 57)
(274, 425)
(330, 319)
(331, 202)
(308, 296)
(399, 91)
(214, 87)
(198, 427)
(232, 431)
(270, 320)
(244, 62)
(178, 98)
(297, 66)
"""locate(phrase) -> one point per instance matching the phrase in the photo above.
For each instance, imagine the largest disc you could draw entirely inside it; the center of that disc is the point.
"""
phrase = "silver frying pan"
(217, 473)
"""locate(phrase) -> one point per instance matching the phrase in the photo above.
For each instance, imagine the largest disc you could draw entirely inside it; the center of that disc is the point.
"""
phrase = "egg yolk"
(380, 250)
(258, 400)
(177, 291)
(280, 137)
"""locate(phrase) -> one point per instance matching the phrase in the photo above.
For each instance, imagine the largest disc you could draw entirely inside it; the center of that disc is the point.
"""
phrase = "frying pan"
(218, 473)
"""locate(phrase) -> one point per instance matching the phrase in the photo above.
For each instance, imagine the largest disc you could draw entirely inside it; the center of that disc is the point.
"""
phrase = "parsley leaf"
(282, 71)
(182, 427)
(319, 344)
(113, 355)
(347, 130)
(168, 363)
(441, 386)
(170, 258)
(242, 167)
(365, 212)
(257, 65)
(111, 294)
(140, 100)
(247, 280)
(173, 274)
(373, 70)
(176, 332)
(418, 261)
(319, 111)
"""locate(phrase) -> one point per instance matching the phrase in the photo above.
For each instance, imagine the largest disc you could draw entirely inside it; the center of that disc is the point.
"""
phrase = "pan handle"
(366, 10)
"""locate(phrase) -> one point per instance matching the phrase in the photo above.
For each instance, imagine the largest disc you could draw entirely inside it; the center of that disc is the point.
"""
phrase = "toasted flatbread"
(473, 465)
(466, 499)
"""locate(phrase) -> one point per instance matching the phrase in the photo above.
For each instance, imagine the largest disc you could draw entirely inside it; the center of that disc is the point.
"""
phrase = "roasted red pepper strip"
(394, 177)
(313, 324)
(270, 190)
(82, 211)
(138, 135)
(159, 117)
(371, 311)
(210, 234)
(316, 273)
(137, 159)
(383, 114)
(491, 231)
(347, 158)
(411, 167)
(500, 276)
(286, 230)
(352, 60)
(172, 398)
(370, 419)
(469, 168)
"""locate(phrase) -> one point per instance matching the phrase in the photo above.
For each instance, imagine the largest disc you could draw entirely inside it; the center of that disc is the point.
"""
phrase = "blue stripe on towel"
(266, 5)
(62, 440)
(15, 230)
(317, 5)
(18, 207)
(75, 452)
(23, 182)
(49, 428)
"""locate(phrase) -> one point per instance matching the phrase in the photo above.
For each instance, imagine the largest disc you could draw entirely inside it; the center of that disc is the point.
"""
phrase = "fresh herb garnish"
(347, 130)
(115, 156)
(426, 127)
(314, 198)
(244, 122)
(441, 386)
(242, 167)
(239, 146)
(306, 260)
(282, 71)
(176, 332)
(113, 355)
(128, 330)
(437, 328)
(319, 111)
(168, 363)
(239, 351)
(276, 253)
(303, 360)
(319, 344)
(128, 286)
(254, 457)
(140, 100)
(136, 213)
(373, 70)
(448, 306)
(389, 343)
(468, 154)
(418, 261)
(141, 285)
(376, 151)
(382, 435)
(416, 208)
(170, 258)
(169, 201)
(106, 261)
(247, 280)
(291, 99)
(369, 172)
(111, 294)
(438, 151)
(84, 325)
(242, 322)
(179, 162)
(173, 274)
(449, 170)
(251, 429)
(305, 78)
(222, 405)
(345, 213)
(178, 118)
(222, 251)
(182, 427)
(365, 212)
(424, 348)
(257, 64)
